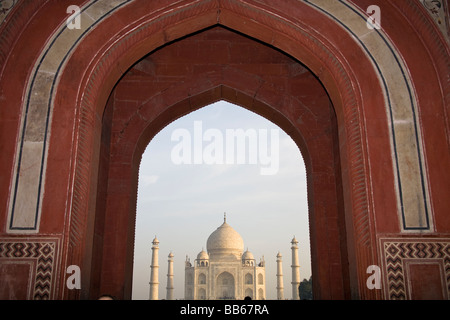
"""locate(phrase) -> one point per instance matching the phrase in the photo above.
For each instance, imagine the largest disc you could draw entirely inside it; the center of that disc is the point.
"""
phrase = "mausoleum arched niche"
(248, 279)
(201, 278)
(225, 286)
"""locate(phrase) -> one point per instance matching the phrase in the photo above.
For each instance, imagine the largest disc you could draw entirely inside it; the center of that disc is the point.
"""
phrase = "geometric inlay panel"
(399, 253)
(42, 255)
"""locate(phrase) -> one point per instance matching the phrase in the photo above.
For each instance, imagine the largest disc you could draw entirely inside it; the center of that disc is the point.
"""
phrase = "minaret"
(169, 294)
(280, 289)
(154, 271)
(295, 270)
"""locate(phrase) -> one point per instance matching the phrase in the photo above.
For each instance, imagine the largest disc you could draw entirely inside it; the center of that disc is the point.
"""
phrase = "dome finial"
(224, 217)
(224, 240)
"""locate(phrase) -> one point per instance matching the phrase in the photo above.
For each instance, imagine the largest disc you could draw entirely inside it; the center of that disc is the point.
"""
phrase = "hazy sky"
(182, 204)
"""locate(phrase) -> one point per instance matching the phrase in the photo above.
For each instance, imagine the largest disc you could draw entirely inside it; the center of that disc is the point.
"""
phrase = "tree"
(305, 289)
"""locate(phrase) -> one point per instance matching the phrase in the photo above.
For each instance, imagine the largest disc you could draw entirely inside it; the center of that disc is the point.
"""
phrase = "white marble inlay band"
(30, 167)
(401, 107)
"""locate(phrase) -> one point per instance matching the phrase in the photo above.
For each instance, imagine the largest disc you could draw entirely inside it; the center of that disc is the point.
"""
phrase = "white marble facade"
(225, 271)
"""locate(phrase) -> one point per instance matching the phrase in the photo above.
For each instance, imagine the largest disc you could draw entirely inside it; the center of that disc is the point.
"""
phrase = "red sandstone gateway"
(367, 107)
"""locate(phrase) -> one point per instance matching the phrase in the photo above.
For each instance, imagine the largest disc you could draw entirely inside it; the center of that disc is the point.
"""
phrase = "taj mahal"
(224, 271)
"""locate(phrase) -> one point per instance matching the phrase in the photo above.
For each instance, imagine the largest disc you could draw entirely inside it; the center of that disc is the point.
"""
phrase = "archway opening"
(184, 76)
(183, 203)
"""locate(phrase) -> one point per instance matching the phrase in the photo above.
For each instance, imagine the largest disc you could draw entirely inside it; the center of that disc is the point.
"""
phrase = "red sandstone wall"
(70, 230)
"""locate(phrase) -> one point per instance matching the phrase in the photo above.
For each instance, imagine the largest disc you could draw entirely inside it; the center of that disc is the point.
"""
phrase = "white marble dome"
(248, 255)
(203, 255)
(225, 240)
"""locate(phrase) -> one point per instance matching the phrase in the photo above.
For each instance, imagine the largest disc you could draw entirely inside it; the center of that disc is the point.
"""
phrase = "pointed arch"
(332, 42)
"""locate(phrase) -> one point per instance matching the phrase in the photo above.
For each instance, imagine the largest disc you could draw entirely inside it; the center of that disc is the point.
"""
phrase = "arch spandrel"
(127, 37)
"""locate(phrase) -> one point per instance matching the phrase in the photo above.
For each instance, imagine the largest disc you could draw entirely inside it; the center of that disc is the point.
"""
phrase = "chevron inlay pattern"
(397, 252)
(43, 254)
